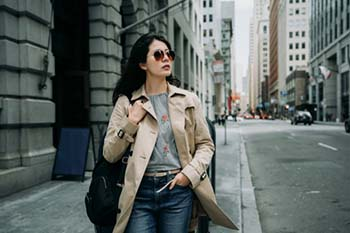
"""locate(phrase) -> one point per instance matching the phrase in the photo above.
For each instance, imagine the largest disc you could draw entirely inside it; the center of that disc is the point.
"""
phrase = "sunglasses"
(159, 55)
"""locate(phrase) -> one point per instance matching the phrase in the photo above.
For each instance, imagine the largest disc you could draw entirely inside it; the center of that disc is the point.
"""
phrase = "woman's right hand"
(136, 112)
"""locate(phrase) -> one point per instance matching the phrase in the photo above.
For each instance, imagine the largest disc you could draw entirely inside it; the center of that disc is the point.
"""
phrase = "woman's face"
(159, 60)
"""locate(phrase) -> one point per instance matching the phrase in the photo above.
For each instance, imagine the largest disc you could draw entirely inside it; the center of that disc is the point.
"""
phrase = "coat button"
(203, 176)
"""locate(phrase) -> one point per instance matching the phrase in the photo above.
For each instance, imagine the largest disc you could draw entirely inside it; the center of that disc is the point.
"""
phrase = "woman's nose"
(166, 57)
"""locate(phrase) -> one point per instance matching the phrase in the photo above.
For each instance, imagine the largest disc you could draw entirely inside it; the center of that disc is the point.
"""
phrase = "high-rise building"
(211, 41)
(258, 53)
(293, 41)
(273, 77)
(263, 63)
(330, 59)
(263, 55)
(218, 20)
(211, 18)
(252, 66)
(227, 35)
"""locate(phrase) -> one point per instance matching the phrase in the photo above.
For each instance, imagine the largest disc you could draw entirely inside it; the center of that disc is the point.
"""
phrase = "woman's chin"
(166, 73)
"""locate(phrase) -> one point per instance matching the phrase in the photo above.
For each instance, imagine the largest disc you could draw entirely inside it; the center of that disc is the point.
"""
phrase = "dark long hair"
(134, 77)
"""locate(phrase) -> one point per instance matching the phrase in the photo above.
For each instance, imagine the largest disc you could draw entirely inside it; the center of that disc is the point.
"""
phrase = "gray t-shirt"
(164, 156)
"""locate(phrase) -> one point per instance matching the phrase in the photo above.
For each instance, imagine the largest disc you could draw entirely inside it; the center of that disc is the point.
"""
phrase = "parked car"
(301, 117)
(347, 125)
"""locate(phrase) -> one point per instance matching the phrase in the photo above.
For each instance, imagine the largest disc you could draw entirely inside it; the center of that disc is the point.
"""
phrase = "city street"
(301, 176)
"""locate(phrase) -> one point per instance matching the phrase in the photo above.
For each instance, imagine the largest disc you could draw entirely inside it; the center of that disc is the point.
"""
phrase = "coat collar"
(141, 92)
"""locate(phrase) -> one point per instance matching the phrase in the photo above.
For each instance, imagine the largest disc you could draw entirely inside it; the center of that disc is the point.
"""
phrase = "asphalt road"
(301, 176)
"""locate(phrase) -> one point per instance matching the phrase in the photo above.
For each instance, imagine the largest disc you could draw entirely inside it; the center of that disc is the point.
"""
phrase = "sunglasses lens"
(158, 55)
(171, 55)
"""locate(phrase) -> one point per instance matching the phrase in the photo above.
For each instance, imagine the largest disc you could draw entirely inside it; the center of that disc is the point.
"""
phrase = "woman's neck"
(155, 86)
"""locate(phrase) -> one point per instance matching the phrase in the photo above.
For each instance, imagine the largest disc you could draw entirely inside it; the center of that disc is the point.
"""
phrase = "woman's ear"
(143, 66)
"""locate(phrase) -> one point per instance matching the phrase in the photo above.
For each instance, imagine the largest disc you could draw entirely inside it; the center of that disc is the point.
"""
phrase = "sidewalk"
(234, 190)
(329, 123)
(58, 206)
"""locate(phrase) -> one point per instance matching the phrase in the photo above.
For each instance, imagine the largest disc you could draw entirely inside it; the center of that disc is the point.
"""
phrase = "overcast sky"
(244, 10)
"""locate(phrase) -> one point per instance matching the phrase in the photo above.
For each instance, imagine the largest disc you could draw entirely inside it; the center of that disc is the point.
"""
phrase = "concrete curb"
(250, 215)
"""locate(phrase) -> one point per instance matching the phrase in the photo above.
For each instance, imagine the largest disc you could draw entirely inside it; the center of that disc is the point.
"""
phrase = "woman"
(170, 141)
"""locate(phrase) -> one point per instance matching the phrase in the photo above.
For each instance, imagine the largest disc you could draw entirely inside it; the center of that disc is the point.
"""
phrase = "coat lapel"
(141, 94)
(177, 107)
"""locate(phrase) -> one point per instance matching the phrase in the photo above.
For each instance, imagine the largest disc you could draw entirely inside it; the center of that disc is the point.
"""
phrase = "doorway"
(70, 47)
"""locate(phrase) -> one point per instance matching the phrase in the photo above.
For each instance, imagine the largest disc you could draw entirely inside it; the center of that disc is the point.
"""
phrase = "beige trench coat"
(193, 143)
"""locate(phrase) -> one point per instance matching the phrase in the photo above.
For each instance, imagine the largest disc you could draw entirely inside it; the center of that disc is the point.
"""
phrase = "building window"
(204, 18)
(336, 30)
(341, 26)
(303, 1)
(343, 55)
(303, 45)
(291, 1)
(210, 18)
(330, 35)
(296, 1)
(303, 34)
(303, 11)
(290, 34)
(210, 32)
(265, 29)
(290, 57)
(291, 11)
(303, 57)
(204, 3)
(290, 68)
(210, 3)
(297, 57)
(345, 84)
(204, 33)
(297, 11)
(296, 45)
(290, 46)
(296, 34)
(336, 9)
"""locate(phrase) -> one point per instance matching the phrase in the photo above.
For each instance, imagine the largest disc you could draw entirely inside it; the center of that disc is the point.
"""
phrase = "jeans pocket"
(181, 186)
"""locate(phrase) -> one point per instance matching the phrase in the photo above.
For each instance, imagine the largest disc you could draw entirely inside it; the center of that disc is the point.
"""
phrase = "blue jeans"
(168, 211)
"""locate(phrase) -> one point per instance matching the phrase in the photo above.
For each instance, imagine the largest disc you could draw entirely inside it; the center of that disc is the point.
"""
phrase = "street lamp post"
(326, 72)
(225, 111)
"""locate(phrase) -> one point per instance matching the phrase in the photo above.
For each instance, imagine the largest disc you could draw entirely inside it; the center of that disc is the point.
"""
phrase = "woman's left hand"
(180, 179)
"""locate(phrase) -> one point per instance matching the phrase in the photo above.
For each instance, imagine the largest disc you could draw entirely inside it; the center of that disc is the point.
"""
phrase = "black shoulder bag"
(107, 181)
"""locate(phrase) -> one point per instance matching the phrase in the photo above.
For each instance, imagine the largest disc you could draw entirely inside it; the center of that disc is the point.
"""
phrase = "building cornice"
(329, 47)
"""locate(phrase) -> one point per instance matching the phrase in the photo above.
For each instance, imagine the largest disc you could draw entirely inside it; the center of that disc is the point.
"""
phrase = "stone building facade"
(82, 45)
(330, 48)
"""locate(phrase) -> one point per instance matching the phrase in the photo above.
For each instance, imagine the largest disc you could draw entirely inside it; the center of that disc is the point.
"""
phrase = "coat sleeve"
(120, 131)
(195, 171)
